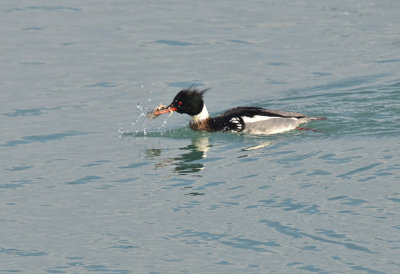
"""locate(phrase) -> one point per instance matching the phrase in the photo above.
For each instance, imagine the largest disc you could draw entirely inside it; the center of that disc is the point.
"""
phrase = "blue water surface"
(89, 184)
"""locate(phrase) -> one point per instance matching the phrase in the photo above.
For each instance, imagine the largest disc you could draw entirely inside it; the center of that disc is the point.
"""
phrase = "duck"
(253, 120)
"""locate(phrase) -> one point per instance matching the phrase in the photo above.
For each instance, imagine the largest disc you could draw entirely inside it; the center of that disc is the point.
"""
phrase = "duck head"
(189, 101)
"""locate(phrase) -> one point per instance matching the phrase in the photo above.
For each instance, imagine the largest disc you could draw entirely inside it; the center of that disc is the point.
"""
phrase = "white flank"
(259, 118)
(269, 125)
(201, 116)
(256, 118)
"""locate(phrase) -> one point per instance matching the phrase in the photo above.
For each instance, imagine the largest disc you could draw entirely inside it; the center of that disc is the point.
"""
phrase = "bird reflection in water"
(186, 162)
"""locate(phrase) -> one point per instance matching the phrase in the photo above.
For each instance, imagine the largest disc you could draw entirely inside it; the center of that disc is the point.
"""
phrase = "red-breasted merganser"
(240, 119)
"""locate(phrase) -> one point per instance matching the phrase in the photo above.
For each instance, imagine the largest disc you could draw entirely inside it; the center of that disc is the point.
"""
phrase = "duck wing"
(256, 111)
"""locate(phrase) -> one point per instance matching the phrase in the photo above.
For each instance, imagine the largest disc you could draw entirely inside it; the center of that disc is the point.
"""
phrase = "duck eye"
(179, 103)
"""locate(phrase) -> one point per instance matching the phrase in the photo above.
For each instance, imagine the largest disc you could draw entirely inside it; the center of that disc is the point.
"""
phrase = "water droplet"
(139, 107)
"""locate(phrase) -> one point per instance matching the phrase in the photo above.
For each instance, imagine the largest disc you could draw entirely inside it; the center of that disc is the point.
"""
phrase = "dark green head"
(189, 101)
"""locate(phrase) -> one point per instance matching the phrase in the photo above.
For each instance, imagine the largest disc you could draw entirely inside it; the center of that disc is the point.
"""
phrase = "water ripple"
(248, 244)
(297, 233)
(44, 8)
(84, 180)
(358, 267)
(22, 253)
(174, 43)
(44, 138)
(191, 236)
(30, 111)
(348, 174)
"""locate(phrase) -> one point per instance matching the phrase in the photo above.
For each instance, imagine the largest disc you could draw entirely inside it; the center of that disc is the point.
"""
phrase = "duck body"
(252, 120)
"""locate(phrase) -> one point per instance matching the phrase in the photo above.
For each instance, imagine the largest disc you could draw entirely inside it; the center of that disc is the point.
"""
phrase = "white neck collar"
(203, 115)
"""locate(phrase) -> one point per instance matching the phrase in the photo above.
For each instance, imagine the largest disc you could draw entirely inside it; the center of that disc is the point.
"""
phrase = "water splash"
(141, 123)
(141, 119)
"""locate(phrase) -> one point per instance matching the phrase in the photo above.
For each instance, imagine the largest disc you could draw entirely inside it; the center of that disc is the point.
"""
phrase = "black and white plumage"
(240, 119)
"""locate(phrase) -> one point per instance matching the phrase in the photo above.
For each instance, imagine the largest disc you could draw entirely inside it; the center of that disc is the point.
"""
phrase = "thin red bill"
(164, 110)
